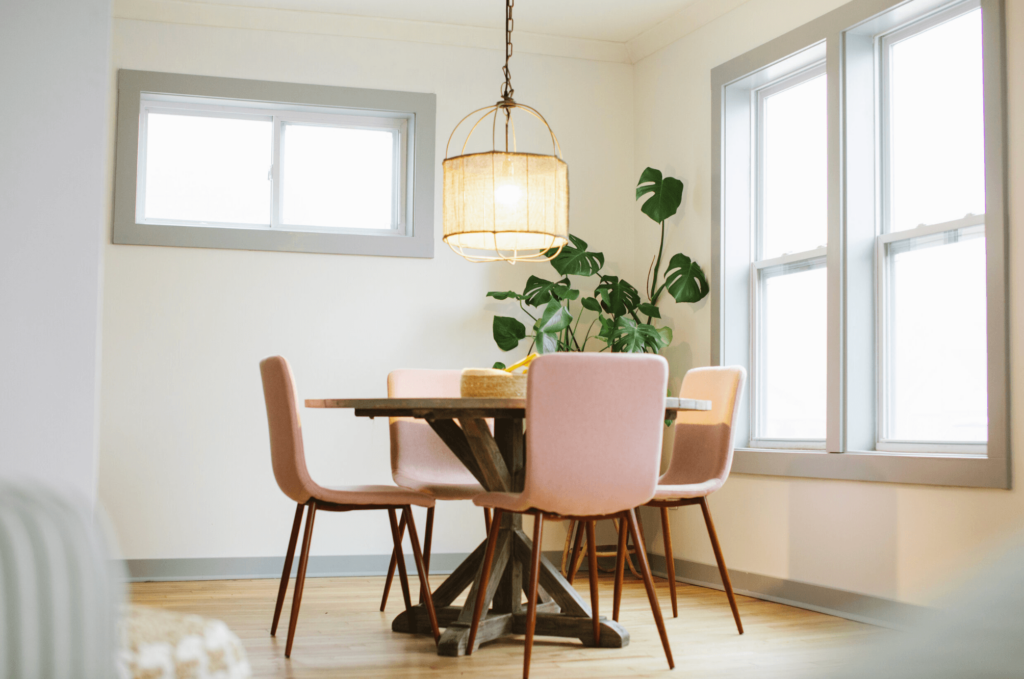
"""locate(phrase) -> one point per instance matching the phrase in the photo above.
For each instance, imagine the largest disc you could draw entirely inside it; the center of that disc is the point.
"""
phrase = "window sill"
(958, 470)
(385, 243)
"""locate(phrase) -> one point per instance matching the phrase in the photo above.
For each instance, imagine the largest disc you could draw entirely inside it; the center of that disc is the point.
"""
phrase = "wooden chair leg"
(592, 567)
(287, 572)
(583, 553)
(670, 563)
(531, 598)
(569, 535)
(403, 577)
(620, 569)
(427, 539)
(481, 592)
(487, 520)
(721, 563)
(391, 568)
(300, 578)
(421, 568)
(645, 569)
(571, 575)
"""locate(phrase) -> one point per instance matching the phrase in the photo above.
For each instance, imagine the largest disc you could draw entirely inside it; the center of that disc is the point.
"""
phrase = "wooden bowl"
(488, 383)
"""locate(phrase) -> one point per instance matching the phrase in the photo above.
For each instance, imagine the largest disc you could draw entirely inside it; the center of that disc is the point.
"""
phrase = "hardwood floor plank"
(342, 633)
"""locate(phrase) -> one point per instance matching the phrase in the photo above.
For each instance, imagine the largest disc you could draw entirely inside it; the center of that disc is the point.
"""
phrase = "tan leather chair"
(420, 460)
(289, 460)
(701, 460)
(594, 431)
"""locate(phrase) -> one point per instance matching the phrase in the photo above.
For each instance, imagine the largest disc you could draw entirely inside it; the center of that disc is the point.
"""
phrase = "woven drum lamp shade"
(506, 205)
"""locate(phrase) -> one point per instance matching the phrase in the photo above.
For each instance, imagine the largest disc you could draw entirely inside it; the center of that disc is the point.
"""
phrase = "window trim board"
(417, 241)
(833, 30)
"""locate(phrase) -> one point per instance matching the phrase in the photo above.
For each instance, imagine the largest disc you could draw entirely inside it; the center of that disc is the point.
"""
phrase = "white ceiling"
(609, 20)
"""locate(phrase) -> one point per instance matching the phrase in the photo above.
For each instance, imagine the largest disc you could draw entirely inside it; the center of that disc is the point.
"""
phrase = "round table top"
(447, 408)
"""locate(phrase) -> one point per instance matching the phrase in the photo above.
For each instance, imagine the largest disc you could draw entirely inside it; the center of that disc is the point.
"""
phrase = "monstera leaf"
(508, 294)
(629, 336)
(554, 320)
(507, 332)
(574, 260)
(649, 310)
(617, 296)
(685, 280)
(539, 292)
(591, 303)
(666, 196)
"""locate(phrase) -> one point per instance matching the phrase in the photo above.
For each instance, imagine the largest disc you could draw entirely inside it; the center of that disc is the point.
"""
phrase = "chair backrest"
(594, 426)
(286, 450)
(419, 458)
(702, 452)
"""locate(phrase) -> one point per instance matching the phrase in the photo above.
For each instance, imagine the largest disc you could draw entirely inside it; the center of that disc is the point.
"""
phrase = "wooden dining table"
(498, 461)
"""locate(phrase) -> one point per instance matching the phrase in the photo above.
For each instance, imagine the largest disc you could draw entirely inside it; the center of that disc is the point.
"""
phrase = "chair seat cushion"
(159, 644)
(690, 490)
(509, 502)
(372, 495)
(452, 491)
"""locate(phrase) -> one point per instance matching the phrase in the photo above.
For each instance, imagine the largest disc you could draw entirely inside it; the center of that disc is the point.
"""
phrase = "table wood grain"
(458, 408)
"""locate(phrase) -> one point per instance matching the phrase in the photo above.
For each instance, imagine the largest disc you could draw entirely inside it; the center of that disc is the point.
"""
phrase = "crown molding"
(688, 20)
(324, 23)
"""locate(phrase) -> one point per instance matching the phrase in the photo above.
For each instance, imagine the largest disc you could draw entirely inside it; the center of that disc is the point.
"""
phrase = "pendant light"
(505, 205)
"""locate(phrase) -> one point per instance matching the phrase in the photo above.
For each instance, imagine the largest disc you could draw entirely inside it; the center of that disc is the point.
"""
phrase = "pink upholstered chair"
(701, 460)
(420, 460)
(289, 460)
(594, 431)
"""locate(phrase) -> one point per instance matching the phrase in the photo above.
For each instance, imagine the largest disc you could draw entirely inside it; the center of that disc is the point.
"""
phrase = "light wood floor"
(341, 632)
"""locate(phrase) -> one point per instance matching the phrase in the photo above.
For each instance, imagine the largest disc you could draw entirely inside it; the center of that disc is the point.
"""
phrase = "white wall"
(184, 465)
(908, 543)
(54, 94)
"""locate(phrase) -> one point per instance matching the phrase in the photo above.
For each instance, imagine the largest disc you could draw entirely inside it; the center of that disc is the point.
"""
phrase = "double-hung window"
(859, 227)
(273, 166)
(787, 274)
(931, 250)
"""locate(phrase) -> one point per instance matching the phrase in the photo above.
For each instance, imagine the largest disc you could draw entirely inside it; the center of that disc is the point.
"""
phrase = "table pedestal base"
(561, 612)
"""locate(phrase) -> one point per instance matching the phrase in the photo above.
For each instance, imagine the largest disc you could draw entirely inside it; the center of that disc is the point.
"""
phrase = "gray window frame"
(846, 37)
(416, 239)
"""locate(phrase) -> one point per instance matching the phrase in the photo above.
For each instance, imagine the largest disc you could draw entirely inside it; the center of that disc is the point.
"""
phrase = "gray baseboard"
(850, 605)
(256, 567)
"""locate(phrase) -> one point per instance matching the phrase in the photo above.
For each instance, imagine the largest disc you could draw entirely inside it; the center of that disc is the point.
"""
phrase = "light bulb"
(508, 195)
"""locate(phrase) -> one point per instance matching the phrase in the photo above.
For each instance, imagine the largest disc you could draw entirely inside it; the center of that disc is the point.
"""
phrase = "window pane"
(338, 177)
(793, 370)
(938, 339)
(937, 138)
(202, 169)
(795, 198)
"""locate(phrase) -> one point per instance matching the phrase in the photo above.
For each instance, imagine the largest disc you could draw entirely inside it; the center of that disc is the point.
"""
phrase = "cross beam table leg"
(561, 612)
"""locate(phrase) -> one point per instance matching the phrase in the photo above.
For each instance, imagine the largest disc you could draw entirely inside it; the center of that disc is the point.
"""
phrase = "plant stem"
(654, 281)
(587, 337)
(658, 293)
(526, 312)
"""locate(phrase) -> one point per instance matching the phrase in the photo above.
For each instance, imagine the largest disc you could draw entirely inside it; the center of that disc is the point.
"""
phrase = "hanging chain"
(506, 88)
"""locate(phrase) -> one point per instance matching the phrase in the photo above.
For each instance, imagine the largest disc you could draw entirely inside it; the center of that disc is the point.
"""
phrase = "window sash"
(759, 96)
(760, 271)
(884, 42)
(885, 324)
(241, 110)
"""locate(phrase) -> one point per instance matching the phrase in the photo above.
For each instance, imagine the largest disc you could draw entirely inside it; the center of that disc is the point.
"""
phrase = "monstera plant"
(620, 318)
